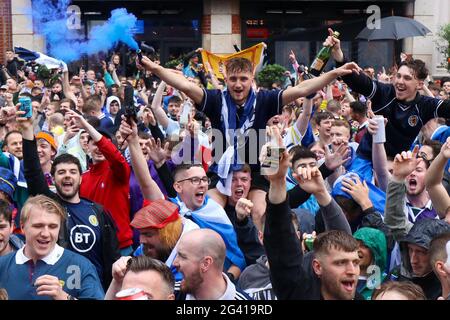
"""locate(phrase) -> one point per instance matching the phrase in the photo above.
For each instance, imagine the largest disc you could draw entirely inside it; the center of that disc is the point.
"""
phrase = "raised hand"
(243, 208)
(445, 150)
(358, 190)
(119, 268)
(338, 158)
(146, 63)
(310, 179)
(346, 69)
(157, 153)
(405, 163)
(71, 131)
(276, 171)
(128, 130)
(292, 58)
(77, 119)
(335, 44)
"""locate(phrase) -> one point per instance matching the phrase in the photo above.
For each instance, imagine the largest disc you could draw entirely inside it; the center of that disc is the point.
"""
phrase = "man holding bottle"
(400, 102)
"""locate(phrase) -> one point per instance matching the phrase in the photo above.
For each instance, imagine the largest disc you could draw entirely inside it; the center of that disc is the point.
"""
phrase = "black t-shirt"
(405, 119)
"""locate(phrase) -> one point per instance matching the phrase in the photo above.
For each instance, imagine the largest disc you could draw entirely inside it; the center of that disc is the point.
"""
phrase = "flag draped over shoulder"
(212, 216)
(255, 54)
(40, 58)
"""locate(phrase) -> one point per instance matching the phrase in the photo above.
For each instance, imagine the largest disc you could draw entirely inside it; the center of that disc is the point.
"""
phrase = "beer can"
(309, 241)
(380, 136)
(131, 294)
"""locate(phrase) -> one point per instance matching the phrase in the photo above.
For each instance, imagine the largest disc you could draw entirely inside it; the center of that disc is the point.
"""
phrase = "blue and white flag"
(229, 162)
(16, 166)
(40, 58)
(212, 216)
(376, 195)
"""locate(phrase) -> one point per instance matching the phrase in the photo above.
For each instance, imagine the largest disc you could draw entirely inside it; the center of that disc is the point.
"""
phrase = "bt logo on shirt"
(82, 238)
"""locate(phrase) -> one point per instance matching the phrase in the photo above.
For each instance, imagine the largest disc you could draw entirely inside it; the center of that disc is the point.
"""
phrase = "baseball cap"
(4, 87)
(8, 182)
(47, 137)
(157, 214)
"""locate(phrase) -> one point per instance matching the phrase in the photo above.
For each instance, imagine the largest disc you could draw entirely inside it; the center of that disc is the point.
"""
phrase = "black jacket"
(38, 185)
(291, 272)
(405, 118)
(247, 236)
(421, 234)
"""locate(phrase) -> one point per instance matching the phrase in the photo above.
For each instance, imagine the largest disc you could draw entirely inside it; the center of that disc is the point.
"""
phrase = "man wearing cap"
(46, 148)
(89, 230)
(190, 184)
(160, 227)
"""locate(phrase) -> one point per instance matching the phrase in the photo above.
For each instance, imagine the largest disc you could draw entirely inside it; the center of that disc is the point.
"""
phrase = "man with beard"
(200, 258)
(89, 229)
(331, 270)
(160, 227)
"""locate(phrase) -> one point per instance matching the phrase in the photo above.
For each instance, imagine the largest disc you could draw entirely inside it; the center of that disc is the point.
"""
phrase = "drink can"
(309, 241)
(131, 294)
(380, 136)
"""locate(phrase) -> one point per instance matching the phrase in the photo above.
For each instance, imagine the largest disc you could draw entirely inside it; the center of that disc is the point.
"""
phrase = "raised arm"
(303, 119)
(433, 181)
(175, 80)
(310, 86)
(32, 168)
(156, 106)
(379, 158)
(394, 215)
(115, 159)
(149, 188)
(282, 245)
(66, 87)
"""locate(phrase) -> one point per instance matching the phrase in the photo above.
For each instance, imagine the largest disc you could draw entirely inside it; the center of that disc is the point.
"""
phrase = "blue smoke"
(50, 21)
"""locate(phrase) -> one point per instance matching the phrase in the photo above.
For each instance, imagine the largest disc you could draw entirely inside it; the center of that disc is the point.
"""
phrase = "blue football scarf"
(229, 161)
(212, 216)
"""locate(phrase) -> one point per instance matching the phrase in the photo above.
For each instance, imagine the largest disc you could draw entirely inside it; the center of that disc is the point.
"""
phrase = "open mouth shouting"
(199, 197)
(239, 192)
(349, 285)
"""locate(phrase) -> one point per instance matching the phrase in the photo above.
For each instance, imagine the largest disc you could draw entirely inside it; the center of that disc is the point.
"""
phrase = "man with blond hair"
(42, 270)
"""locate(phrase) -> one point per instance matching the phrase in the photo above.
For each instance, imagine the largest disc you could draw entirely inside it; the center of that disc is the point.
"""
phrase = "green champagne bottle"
(321, 59)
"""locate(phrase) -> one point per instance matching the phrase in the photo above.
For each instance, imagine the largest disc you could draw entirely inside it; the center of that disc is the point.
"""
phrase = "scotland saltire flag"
(376, 195)
(40, 58)
(213, 216)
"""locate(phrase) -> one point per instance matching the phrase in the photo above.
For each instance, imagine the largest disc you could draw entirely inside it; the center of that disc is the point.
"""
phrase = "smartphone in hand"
(25, 105)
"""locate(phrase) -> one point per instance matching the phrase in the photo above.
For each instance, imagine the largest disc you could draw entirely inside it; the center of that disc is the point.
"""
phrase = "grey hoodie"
(255, 280)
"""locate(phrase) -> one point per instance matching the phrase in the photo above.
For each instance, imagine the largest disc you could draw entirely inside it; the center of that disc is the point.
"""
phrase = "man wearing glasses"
(191, 185)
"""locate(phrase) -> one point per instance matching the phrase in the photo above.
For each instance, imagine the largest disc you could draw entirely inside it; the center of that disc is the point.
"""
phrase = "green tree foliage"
(270, 74)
